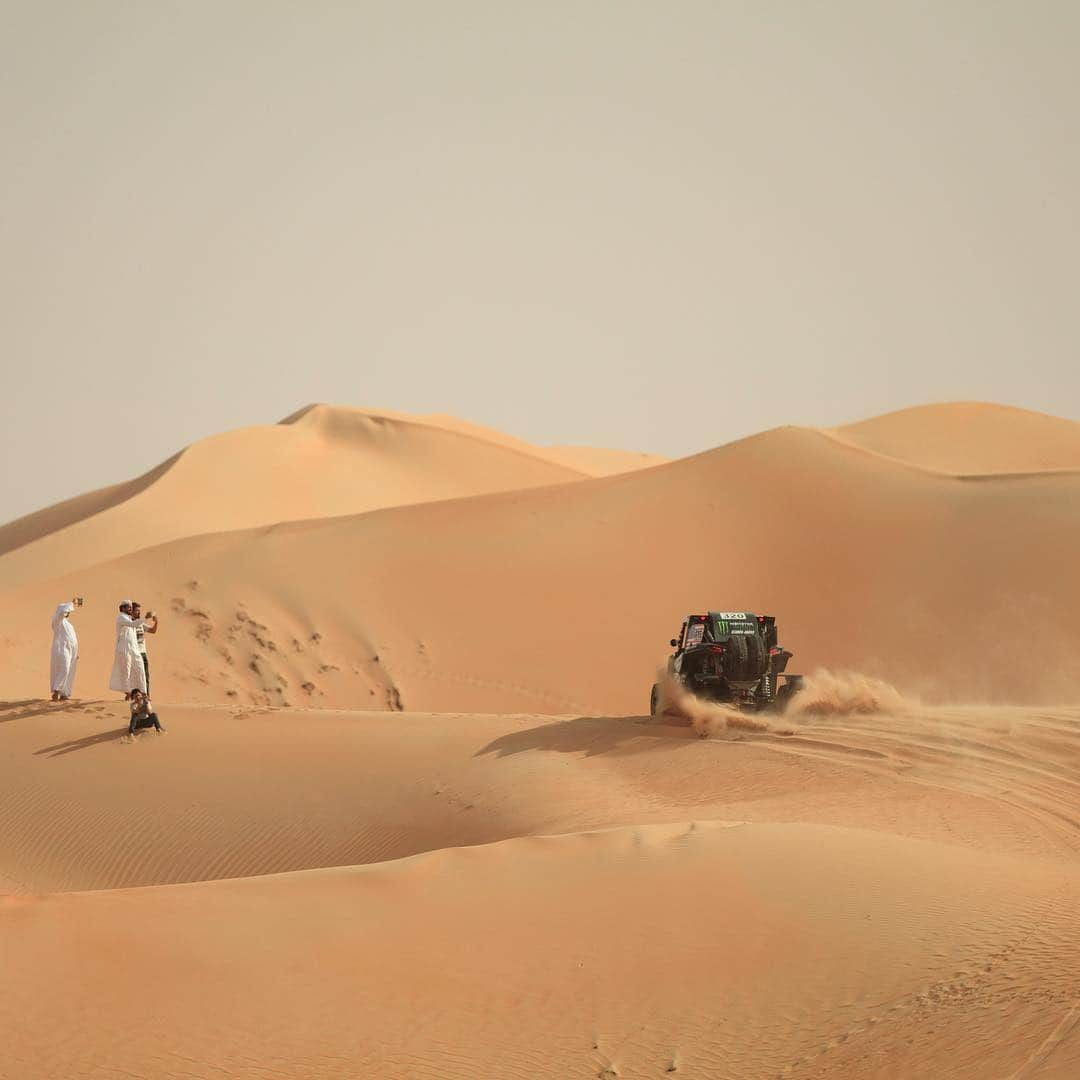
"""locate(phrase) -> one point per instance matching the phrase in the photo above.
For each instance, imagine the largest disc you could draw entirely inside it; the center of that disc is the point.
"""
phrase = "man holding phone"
(128, 669)
(143, 627)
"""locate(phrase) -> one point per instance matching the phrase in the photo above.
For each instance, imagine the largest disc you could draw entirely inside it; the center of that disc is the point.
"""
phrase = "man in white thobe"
(65, 653)
(151, 626)
(128, 673)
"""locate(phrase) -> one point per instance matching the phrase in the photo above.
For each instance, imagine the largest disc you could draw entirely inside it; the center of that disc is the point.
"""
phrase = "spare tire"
(744, 657)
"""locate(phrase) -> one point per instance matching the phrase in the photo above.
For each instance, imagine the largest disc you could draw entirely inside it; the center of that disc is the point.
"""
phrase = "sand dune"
(884, 895)
(970, 438)
(319, 462)
(561, 599)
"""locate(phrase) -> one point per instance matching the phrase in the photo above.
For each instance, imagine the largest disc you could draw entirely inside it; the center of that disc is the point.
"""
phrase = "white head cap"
(61, 613)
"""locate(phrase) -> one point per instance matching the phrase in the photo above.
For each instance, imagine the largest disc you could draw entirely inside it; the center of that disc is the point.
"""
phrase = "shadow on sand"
(591, 735)
(33, 707)
(85, 743)
(44, 707)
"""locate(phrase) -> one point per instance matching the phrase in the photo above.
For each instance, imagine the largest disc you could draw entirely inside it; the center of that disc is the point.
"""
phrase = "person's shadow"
(33, 707)
(85, 743)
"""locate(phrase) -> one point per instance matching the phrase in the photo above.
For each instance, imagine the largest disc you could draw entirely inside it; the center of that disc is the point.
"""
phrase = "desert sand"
(408, 819)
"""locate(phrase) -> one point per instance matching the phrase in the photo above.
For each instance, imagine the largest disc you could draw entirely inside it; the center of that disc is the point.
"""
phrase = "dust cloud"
(845, 693)
(706, 717)
(824, 693)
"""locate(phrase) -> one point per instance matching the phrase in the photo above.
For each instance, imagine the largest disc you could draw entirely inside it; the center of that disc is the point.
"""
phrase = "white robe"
(128, 671)
(65, 651)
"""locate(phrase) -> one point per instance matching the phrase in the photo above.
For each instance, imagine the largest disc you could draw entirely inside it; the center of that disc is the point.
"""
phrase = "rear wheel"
(654, 700)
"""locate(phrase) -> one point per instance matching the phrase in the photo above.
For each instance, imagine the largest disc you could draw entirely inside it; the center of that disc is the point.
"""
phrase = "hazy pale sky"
(657, 225)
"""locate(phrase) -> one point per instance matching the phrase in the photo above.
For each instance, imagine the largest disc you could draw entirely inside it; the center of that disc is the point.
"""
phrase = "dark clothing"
(146, 668)
(142, 715)
(138, 721)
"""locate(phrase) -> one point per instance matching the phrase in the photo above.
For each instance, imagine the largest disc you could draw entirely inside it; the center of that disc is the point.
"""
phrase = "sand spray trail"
(706, 717)
(846, 693)
(824, 693)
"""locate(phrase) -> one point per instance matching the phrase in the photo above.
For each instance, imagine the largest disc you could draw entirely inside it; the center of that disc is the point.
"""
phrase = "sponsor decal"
(734, 622)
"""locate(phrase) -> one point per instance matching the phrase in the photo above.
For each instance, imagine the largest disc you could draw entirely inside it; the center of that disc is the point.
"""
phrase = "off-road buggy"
(731, 656)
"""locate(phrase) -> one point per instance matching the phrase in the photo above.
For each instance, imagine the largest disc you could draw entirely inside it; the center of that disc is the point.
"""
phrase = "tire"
(654, 699)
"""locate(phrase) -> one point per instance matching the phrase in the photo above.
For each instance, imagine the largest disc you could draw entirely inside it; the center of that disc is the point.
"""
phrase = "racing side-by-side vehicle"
(731, 656)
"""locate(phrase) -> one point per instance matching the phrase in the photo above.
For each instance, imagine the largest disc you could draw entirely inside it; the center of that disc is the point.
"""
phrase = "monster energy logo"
(722, 625)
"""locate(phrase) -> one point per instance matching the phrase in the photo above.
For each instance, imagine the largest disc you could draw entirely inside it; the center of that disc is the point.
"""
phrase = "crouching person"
(142, 713)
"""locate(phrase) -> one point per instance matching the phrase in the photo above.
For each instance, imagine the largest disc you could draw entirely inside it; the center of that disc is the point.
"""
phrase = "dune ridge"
(342, 421)
(320, 462)
(970, 439)
(42, 523)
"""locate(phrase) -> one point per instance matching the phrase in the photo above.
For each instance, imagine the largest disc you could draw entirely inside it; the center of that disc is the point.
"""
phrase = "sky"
(657, 226)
